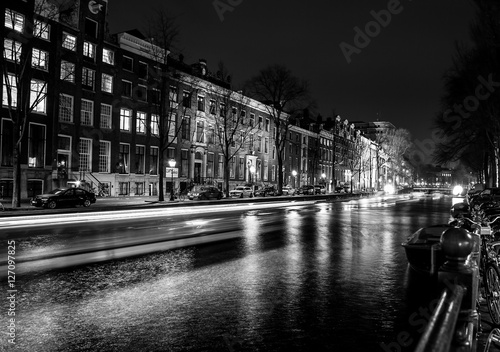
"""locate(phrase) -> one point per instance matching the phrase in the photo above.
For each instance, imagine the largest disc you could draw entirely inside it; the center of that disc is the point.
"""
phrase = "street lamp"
(294, 174)
(323, 177)
(172, 163)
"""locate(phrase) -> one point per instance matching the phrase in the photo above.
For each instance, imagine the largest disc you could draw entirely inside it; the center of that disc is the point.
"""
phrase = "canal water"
(322, 277)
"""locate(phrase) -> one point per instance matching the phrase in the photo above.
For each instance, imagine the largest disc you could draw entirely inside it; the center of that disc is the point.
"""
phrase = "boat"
(423, 249)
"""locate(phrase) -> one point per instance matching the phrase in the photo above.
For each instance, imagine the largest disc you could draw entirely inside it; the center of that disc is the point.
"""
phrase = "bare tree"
(284, 96)
(25, 73)
(231, 130)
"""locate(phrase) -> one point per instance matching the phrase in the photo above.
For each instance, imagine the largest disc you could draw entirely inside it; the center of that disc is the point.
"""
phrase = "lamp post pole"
(172, 163)
(323, 176)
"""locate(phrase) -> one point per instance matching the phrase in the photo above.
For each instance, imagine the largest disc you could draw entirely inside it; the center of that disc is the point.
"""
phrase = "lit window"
(66, 108)
(124, 159)
(69, 41)
(107, 83)
(87, 117)
(40, 59)
(125, 116)
(41, 30)
(88, 49)
(68, 71)
(201, 103)
(12, 50)
(140, 126)
(14, 20)
(105, 116)
(108, 56)
(154, 125)
(38, 96)
(9, 90)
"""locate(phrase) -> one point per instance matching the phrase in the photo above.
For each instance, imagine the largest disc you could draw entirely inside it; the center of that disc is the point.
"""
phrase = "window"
(186, 99)
(90, 28)
(126, 88)
(105, 116)
(36, 147)
(89, 49)
(185, 128)
(68, 71)
(172, 94)
(104, 156)
(85, 151)
(14, 20)
(108, 56)
(252, 119)
(12, 50)
(211, 136)
(260, 123)
(38, 96)
(40, 59)
(201, 103)
(199, 132)
(65, 108)
(212, 107)
(140, 122)
(243, 115)
(172, 126)
(140, 92)
(268, 123)
(184, 169)
(9, 90)
(125, 116)
(87, 117)
(155, 96)
(153, 161)
(266, 169)
(140, 151)
(69, 41)
(259, 143)
(241, 168)
(41, 30)
(124, 159)
(142, 70)
(154, 125)
(232, 167)
(266, 145)
(128, 63)
(107, 83)
(220, 168)
(7, 142)
(88, 78)
(222, 110)
(234, 113)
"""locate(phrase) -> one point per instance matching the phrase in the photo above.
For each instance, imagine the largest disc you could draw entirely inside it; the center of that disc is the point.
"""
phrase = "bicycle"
(181, 195)
(489, 259)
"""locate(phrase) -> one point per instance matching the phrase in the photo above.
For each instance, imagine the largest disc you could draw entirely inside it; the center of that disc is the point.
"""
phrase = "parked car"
(64, 197)
(319, 189)
(288, 191)
(205, 192)
(266, 191)
(306, 189)
(241, 192)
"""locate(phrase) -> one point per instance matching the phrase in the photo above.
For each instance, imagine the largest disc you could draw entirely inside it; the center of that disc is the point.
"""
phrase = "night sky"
(396, 77)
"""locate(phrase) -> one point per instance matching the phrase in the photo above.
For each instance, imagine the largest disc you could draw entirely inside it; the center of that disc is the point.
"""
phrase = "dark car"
(64, 197)
(306, 189)
(319, 189)
(205, 192)
(266, 191)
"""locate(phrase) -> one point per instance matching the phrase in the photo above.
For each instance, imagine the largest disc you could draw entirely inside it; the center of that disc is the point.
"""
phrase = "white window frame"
(108, 56)
(87, 112)
(69, 41)
(12, 50)
(154, 124)
(67, 71)
(104, 156)
(140, 122)
(38, 96)
(107, 83)
(40, 59)
(12, 83)
(63, 115)
(125, 118)
(14, 20)
(89, 49)
(41, 30)
(106, 115)
(85, 154)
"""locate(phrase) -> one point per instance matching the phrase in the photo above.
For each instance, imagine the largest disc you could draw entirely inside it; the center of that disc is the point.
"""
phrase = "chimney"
(203, 66)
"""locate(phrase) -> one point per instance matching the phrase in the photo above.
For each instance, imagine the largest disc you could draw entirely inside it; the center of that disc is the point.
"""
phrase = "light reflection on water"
(318, 278)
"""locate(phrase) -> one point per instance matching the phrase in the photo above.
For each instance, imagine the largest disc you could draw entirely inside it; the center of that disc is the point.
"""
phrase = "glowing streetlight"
(172, 163)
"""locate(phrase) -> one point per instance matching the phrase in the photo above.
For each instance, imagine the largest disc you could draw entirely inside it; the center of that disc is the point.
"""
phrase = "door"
(197, 172)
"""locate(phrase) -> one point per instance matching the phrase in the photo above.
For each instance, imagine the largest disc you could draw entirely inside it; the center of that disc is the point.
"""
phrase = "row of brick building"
(93, 116)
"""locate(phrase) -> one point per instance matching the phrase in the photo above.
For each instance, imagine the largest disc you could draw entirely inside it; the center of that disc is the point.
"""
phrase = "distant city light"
(457, 190)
